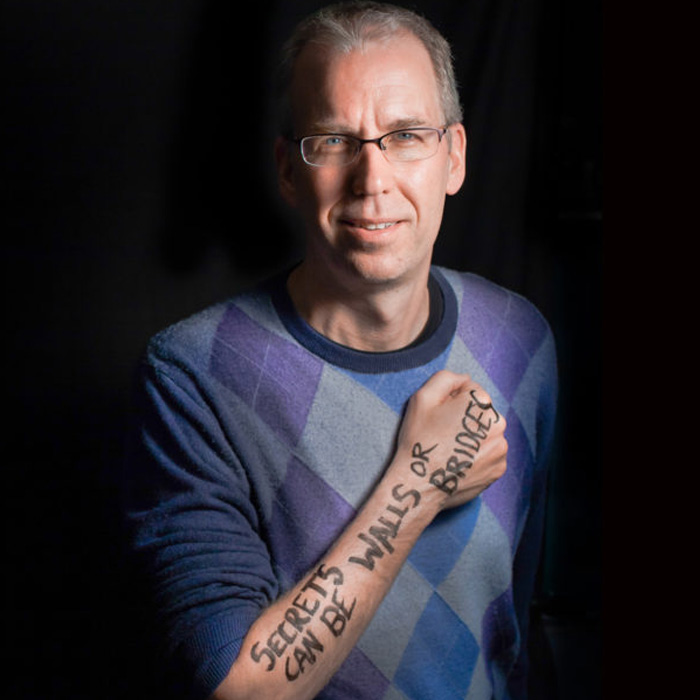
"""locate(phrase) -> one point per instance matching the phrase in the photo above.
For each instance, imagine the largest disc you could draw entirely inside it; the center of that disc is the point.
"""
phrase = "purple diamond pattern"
(357, 678)
(507, 496)
(501, 333)
(279, 384)
(307, 517)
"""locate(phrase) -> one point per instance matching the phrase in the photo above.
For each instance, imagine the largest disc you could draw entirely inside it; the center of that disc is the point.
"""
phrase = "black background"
(140, 188)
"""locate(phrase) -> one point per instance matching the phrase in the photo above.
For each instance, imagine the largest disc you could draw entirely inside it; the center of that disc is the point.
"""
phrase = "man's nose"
(372, 173)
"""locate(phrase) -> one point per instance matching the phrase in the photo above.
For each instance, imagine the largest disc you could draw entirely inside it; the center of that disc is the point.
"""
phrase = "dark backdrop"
(141, 188)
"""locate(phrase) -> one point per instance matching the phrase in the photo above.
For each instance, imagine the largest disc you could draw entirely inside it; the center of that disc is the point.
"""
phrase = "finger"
(484, 402)
(445, 384)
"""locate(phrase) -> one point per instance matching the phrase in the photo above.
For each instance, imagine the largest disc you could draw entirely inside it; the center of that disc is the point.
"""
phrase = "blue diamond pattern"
(442, 643)
(395, 389)
(442, 543)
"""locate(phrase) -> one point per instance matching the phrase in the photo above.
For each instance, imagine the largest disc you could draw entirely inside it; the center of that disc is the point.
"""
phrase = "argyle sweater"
(258, 441)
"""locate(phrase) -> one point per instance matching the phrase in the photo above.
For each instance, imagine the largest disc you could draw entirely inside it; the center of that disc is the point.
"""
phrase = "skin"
(368, 288)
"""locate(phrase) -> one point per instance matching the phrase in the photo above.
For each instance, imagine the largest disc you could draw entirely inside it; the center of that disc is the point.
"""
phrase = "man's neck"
(380, 318)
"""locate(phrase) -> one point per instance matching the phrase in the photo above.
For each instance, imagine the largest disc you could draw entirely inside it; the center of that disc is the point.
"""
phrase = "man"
(312, 493)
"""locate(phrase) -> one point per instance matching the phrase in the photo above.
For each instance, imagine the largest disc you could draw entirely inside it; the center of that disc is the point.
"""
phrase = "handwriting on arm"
(320, 600)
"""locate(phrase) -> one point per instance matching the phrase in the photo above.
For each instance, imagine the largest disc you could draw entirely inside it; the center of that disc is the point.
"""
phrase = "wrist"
(407, 481)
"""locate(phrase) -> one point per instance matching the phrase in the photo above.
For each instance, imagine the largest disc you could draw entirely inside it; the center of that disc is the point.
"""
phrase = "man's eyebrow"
(406, 123)
(322, 127)
(330, 127)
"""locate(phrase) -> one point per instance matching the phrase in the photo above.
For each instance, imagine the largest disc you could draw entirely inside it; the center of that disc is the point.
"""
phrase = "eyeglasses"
(400, 146)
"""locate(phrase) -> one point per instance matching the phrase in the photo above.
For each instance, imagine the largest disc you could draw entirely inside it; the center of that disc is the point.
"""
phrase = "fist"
(452, 438)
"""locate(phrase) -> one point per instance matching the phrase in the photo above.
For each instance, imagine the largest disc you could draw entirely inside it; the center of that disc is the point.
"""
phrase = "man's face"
(372, 220)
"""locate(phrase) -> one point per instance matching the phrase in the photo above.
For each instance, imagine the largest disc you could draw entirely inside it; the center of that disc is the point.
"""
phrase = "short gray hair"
(347, 26)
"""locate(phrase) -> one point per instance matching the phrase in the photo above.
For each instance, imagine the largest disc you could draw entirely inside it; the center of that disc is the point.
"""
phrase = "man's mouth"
(378, 227)
(371, 226)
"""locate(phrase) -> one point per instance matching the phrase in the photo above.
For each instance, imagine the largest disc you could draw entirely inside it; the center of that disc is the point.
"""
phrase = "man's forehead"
(393, 79)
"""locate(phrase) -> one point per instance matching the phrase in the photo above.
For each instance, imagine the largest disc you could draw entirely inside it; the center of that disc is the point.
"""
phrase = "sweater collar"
(433, 341)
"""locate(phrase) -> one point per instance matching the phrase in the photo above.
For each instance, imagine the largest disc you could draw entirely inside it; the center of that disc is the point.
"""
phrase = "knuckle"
(500, 465)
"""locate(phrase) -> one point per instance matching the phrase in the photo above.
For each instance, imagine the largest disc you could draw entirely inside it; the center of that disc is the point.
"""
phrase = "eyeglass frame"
(441, 131)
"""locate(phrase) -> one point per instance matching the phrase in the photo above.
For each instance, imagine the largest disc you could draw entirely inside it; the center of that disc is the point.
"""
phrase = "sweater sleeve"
(193, 526)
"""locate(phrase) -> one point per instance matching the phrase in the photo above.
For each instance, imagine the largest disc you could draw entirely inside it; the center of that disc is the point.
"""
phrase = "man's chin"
(377, 270)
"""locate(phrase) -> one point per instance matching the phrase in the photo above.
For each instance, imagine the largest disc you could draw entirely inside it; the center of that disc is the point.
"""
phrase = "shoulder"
(191, 341)
(188, 339)
(484, 303)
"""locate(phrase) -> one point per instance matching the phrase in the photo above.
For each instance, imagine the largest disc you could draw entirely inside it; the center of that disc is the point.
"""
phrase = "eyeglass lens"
(341, 149)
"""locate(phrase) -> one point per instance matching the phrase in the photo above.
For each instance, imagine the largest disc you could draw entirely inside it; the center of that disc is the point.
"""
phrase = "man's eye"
(331, 141)
(406, 139)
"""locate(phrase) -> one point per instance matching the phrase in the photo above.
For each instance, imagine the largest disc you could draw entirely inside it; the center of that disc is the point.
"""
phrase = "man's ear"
(285, 175)
(457, 158)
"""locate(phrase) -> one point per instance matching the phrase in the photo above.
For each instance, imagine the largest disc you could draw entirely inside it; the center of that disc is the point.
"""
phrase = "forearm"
(298, 643)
